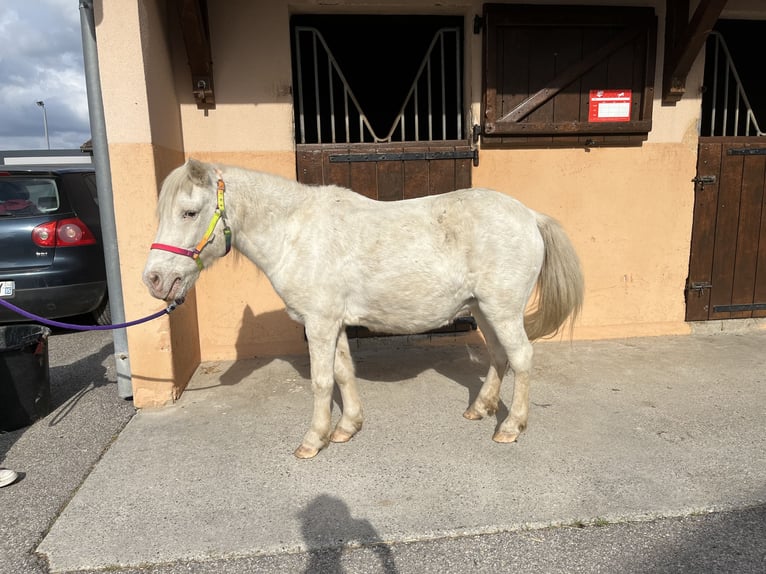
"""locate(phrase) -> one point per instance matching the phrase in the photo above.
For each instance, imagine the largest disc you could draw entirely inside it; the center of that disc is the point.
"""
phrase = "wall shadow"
(248, 361)
(463, 364)
(328, 527)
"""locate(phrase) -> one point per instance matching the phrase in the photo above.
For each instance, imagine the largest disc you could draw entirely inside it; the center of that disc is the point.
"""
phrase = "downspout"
(105, 196)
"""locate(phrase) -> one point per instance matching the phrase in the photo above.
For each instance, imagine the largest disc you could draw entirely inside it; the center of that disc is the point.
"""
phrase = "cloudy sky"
(41, 59)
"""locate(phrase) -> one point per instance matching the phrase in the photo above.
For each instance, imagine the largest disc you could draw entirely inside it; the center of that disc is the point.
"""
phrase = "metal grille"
(731, 113)
(329, 112)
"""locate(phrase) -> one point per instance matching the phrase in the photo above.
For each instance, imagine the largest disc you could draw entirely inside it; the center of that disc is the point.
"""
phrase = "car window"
(28, 196)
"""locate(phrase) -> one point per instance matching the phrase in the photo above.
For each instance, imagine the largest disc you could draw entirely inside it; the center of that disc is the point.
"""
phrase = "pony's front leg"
(351, 420)
(322, 343)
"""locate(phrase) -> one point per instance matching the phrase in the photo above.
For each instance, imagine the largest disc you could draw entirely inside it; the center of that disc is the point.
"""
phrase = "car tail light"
(63, 233)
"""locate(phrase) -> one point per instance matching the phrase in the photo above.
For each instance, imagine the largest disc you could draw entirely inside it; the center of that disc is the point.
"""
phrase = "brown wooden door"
(389, 171)
(727, 266)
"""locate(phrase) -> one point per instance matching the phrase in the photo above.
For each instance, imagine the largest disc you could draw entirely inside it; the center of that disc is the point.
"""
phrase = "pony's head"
(192, 232)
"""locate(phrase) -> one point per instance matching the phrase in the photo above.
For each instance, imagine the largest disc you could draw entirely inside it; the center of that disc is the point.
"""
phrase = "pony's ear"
(199, 173)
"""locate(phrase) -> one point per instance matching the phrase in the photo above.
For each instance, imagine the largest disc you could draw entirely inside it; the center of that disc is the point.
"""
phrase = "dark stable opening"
(744, 39)
(380, 57)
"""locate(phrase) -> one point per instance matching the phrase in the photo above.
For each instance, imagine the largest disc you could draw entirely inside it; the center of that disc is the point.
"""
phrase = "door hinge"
(739, 308)
(746, 151)
(406, 156)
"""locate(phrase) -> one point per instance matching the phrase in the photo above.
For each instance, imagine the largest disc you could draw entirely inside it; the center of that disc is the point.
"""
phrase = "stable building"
(638, 124)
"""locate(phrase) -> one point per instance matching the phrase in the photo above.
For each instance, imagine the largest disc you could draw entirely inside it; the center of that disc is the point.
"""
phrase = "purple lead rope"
(169, 309)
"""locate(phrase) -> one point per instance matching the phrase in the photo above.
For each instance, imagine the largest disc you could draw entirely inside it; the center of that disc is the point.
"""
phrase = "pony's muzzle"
(161, 287)
(154, 282)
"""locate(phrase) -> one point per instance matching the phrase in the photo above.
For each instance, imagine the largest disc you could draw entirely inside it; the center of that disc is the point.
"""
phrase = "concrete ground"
(54, 455)
(642, 455)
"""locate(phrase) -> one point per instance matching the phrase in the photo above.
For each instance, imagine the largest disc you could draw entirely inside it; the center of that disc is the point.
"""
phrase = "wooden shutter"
(541, 64)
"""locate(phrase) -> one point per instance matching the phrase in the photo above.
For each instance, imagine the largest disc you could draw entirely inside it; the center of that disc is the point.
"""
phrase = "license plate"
(7, 288)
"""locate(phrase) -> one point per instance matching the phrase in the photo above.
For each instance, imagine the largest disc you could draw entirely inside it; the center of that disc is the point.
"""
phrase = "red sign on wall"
(610, 105)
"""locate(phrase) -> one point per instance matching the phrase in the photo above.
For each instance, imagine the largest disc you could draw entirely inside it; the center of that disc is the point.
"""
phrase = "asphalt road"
(55, 455)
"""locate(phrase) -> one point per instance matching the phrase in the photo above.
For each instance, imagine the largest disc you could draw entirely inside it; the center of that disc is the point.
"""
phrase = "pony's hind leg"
(351, 419)
(507, 343)
(323, 339)
(519, 350)
(486, 402)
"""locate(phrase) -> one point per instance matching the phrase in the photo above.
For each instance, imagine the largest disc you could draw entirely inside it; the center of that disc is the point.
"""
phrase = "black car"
(51, 253)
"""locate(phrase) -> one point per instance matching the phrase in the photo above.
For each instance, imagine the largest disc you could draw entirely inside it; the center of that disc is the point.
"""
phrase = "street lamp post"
(45, 122)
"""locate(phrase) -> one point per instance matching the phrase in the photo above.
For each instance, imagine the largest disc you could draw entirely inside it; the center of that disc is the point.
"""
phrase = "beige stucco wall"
(628, 210)
(629, 216)
(145, 143)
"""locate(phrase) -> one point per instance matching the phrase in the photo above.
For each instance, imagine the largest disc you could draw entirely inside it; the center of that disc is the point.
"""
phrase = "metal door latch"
(699, 287)
(702, 180)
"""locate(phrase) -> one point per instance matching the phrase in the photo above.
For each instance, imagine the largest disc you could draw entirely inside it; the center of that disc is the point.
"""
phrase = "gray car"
(51, 253)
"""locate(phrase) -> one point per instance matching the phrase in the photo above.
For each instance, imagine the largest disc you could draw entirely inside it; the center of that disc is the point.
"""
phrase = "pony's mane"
(282, 191)
(175, 183)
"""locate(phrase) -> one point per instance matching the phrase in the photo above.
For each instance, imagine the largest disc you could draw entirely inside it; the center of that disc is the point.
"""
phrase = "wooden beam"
(683, 41)
(192, 15)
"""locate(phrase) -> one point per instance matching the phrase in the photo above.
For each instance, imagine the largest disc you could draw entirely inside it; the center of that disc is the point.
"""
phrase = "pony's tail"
(560, 285)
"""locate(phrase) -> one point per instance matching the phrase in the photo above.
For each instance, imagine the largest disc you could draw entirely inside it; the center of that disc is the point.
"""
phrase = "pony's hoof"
(304, 451)
(479, 409)
(340, 435)
(505, 437)
(473, 415)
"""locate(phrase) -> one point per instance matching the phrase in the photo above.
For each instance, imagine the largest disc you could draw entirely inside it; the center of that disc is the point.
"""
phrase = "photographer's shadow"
(328, 527)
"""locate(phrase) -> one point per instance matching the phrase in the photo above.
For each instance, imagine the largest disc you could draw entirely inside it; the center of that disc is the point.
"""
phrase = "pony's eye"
(189, 214)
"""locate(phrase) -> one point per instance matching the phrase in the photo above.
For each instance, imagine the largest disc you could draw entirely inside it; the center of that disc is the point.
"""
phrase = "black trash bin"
(25, 390)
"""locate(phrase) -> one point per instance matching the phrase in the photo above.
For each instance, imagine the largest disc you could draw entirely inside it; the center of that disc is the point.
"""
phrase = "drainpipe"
(105, 196)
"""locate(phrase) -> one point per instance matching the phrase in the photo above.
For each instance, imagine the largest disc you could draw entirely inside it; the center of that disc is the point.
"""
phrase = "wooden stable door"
(388, 172)
(727, 267)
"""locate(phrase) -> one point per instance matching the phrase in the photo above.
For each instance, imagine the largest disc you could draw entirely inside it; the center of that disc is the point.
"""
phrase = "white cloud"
(41, 59)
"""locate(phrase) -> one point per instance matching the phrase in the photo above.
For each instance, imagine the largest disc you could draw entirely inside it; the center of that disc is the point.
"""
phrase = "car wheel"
(103, 314)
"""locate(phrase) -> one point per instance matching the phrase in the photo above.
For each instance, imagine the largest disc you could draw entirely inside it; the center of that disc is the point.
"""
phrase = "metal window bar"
(740, 101)
(410, 109)
(316, 89)
(299, 73)
(458, 87)
(332, 99)
(444, 87)
(430, 107)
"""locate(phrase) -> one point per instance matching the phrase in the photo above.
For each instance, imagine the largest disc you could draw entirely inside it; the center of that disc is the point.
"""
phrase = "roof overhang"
(684, 38)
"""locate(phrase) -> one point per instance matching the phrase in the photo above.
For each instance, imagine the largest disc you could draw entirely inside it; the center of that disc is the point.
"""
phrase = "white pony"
(338, 258)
